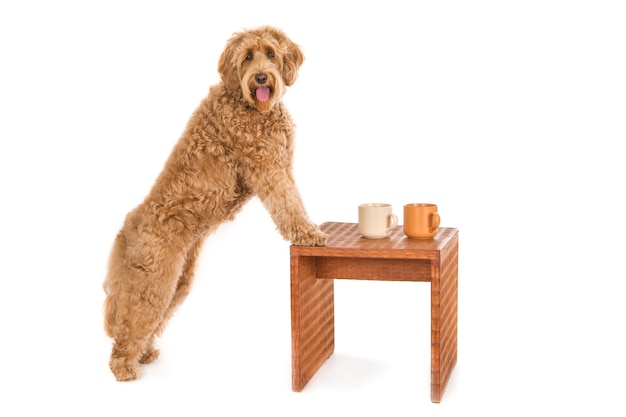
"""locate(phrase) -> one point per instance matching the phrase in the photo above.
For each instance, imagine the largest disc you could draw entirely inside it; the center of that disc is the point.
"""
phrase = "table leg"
(444, 306)
(312, 320)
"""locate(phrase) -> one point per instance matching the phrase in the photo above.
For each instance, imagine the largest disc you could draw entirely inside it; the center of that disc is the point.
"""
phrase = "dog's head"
(260, 64)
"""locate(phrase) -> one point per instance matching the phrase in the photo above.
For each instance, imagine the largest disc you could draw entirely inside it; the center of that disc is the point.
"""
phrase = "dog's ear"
(292, 61)
(227, 65)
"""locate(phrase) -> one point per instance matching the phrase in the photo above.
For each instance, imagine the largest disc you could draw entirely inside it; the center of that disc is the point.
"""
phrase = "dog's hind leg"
(146, 290)
(111, 284)
(183, 285)
(150, 354)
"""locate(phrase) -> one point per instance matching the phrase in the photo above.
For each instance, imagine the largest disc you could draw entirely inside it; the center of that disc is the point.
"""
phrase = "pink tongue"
(262, 93)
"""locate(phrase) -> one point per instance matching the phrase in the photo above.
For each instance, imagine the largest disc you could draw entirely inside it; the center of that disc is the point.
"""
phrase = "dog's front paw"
(310, 237)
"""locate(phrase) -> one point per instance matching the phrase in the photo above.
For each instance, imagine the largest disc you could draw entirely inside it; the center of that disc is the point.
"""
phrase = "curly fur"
(237, 144)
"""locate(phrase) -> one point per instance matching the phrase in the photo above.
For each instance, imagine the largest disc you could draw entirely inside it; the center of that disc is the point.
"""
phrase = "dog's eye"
(270, 54)
(248, 57)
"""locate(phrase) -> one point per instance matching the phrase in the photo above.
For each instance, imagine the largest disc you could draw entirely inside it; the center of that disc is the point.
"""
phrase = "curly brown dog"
(237, 144)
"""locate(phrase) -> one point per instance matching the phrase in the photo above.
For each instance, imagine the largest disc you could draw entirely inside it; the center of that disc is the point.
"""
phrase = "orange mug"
(421, 220)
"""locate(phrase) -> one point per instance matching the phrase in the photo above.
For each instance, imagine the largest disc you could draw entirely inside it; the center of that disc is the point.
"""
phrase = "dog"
(237, 144)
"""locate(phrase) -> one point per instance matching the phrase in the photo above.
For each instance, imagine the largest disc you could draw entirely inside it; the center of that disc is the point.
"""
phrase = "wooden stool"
(350, 256)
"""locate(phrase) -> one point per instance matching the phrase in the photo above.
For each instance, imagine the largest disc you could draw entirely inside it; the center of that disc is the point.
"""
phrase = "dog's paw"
(123, 369)
(149, 356)
(311, 237)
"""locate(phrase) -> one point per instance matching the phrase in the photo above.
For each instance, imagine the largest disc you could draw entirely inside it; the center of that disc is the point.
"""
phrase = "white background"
(507, 114)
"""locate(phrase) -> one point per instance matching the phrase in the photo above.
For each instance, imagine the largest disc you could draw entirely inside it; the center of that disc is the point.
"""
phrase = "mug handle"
(393, 222)
(434, 220)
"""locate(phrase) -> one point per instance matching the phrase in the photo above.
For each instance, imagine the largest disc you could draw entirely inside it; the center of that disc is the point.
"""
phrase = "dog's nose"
(261, 78)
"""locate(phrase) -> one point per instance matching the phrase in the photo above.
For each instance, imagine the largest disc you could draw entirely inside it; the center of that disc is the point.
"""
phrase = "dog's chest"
(266, 141)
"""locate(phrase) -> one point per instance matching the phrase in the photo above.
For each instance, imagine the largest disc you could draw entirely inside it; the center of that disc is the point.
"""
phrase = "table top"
(344, 240)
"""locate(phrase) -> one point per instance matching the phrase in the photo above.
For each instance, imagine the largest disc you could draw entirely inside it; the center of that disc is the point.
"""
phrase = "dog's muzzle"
(261, 93)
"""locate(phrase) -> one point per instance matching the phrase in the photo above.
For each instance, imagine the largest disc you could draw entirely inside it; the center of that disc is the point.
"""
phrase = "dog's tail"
(111, 284)
(110, 311)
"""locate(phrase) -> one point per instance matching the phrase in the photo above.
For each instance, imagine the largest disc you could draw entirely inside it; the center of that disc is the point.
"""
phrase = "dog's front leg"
(282, 200)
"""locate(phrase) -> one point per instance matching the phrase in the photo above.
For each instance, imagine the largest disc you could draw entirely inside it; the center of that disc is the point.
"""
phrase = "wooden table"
(350, 256)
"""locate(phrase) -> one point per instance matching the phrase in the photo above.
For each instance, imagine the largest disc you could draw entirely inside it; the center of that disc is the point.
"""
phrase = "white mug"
(376, 220)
